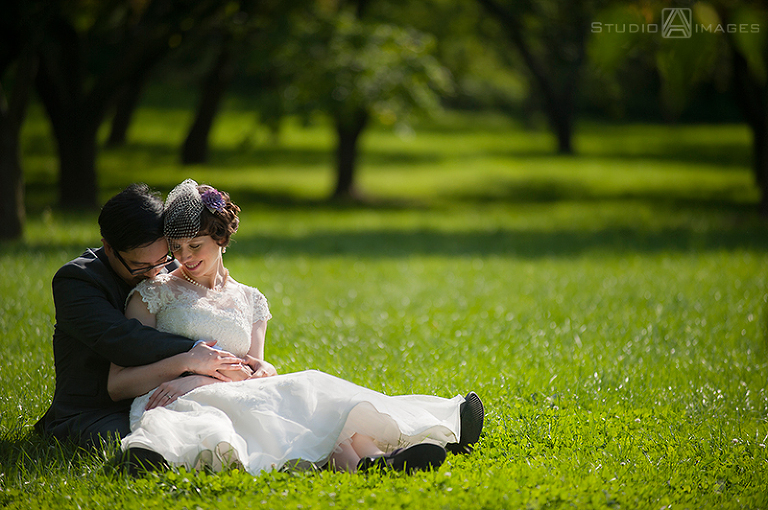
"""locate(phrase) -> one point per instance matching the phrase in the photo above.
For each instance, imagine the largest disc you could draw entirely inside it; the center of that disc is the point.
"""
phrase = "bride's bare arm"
(255, 356)
(130, 382)
(258, 338)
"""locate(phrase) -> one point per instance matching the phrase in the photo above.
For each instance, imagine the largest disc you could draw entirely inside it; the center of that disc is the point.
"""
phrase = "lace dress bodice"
(225, 315)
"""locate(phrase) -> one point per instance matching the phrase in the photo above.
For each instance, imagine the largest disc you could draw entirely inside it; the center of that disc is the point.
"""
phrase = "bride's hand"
(205, 360)
(239, 374)
(170, 391)
(260, 368)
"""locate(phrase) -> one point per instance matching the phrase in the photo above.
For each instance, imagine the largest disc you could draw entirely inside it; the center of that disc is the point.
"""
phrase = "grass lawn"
(609, 308)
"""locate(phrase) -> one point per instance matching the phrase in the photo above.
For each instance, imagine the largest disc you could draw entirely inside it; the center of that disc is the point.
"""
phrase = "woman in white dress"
(260, 420)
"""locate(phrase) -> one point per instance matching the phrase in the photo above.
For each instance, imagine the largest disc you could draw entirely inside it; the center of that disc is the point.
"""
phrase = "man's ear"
(107, 247)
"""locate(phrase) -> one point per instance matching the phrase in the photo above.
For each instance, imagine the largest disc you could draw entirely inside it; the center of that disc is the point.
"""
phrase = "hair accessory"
(183, 208)
(213, 200)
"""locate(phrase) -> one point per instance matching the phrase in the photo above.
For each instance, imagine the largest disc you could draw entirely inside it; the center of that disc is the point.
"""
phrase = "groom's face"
(130, 262)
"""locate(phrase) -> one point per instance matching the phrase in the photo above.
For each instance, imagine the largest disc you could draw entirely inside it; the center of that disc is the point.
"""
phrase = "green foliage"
(610, 310)
(685, 63)
(624, 40)
(752, 45)
(341, 65)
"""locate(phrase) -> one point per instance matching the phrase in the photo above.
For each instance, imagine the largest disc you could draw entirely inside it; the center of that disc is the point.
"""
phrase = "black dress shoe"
(419, 457)
(138, 460)
(472, 415)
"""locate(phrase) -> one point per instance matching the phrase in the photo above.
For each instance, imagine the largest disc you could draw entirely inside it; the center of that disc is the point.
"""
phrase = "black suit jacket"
(91, 331)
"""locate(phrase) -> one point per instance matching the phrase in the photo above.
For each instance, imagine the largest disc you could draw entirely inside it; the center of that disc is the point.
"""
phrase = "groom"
(91, 331)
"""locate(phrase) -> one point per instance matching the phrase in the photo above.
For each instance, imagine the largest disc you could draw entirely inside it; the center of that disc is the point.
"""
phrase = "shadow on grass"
(30, 454)
(529, 244)
(725, 155)
(542, 190)
(284, 157)
(735, 226)
(514, 243)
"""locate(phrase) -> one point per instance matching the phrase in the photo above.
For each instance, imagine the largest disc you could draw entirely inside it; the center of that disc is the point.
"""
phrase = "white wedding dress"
(262, 424)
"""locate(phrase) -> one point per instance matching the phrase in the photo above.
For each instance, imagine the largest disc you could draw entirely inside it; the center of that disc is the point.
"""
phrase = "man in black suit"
(91, 331)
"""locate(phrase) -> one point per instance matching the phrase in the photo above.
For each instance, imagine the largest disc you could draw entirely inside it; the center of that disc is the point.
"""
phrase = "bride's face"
(200, 255)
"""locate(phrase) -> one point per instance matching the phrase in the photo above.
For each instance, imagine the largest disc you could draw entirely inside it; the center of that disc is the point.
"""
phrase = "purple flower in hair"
(213, 200)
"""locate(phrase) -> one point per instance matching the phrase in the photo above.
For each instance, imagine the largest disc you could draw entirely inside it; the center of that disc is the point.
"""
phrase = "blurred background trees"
(251, 27)
(550, 37)
(364, 62)
(727, 51)
(90, 52)
(20, 34)
(356, 72)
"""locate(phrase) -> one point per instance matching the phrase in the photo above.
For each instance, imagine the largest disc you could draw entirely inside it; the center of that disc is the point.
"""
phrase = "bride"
(260, 420)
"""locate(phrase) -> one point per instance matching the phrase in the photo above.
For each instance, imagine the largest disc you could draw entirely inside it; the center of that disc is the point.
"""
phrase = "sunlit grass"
(610, 308)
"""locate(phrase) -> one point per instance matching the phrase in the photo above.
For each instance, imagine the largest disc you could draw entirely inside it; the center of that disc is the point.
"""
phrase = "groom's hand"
(203, 359)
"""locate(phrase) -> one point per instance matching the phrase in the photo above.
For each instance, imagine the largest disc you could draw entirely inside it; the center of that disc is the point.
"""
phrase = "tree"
(251, 33)
(126, 102)
(18, 51)
(749, 55)
(355, 71)
(217, 80)
(550, 37)
(89, 53)
(729, 44)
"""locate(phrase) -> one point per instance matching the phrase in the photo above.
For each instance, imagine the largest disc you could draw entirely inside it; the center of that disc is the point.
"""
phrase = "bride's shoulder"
(259, 304)
(254, 295)
(253, 291)
(155, 292)
(234, 284)
(152, 283)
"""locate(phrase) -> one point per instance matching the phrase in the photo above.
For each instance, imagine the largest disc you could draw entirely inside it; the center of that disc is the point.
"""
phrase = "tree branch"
(513, 28)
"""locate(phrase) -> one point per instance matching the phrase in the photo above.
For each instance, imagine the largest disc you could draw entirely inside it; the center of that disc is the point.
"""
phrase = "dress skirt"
(262, 424)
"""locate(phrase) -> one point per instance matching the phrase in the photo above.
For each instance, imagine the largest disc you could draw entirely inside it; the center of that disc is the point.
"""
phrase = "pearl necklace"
(193, 282)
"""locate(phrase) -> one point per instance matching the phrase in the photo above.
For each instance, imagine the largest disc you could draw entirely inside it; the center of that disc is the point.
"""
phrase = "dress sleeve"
(260, 306)
(154, 294)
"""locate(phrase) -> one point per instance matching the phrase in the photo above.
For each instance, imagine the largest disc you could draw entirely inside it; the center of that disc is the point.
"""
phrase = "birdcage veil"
(183, 208)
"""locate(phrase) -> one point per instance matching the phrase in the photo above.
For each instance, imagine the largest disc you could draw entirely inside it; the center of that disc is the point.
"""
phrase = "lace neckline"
(202, 287)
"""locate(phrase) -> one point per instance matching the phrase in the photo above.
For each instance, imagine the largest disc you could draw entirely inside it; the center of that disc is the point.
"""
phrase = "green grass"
(610, 309)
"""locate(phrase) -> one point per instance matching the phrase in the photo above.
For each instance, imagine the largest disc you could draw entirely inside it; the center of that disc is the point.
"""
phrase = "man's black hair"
(132, 218)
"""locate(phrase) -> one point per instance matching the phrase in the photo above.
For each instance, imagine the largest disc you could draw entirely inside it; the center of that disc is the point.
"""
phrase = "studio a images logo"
(676, 23)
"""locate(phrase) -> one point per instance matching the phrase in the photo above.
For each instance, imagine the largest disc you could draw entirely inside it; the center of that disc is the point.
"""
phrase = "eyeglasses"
(135, 272)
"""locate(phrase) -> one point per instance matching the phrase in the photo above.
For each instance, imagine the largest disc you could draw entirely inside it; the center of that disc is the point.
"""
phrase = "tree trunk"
(127, 102)
(348, 132)
(77, 98)
(752, 97)
(558, 98)
(11, 181)
(195, 148)
(557, 89)
(75, 126)
(760, 163)
(561, 120)
(12, 185)
(75, 117)
(78, 186)
(12, 214)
